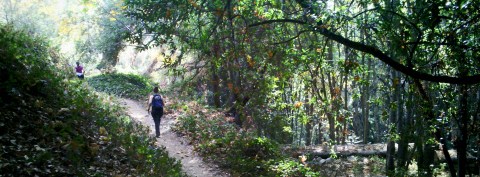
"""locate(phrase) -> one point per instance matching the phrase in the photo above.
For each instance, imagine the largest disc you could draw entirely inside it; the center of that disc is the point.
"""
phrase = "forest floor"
(179, 148)
(176, 146)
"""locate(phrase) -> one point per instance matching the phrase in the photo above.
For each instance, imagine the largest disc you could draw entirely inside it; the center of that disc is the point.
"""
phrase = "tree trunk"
(308, 126)
(345, 94)
(391, 122)
(366, 105)
(378, 123)
(331, 119)
(403, 127)
(365, 88)
(215, 87)
(477, 119)
(324, 91)
(401, 124)
(463, 126)
(316, 93)
(356, 115)
(425, 151)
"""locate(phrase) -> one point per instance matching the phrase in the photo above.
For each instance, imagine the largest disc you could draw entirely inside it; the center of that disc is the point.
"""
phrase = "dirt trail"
(176, 146)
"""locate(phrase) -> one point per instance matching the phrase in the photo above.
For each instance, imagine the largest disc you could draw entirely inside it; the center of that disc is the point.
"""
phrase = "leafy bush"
(24, 65)
(123, 85)
(243, 153)
(52, 127)
(290, 167)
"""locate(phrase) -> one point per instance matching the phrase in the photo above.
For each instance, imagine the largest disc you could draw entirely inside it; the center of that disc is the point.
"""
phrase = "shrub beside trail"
(123, 85)
(241, 151)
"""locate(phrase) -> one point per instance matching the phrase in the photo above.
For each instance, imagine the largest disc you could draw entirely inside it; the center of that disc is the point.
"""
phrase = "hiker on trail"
(79, 71)
(155, 104)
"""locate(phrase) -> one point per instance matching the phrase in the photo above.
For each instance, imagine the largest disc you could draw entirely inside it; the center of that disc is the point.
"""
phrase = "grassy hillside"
(51, 126)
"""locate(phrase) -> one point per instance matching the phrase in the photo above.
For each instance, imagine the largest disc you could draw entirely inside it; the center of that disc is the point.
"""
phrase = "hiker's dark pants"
(157, 116)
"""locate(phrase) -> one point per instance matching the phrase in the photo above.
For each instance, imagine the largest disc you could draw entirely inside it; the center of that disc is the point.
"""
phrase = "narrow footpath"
(176, 146)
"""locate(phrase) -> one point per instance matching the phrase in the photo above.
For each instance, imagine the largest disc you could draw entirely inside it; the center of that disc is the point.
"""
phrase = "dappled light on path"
(176, 146)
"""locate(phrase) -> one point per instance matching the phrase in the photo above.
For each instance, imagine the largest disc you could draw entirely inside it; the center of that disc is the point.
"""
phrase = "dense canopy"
(276, 78)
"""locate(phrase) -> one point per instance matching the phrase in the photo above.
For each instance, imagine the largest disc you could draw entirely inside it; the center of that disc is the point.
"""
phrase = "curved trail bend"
(176, 146)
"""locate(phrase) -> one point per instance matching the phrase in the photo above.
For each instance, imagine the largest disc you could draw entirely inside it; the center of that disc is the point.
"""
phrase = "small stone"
(366, 161)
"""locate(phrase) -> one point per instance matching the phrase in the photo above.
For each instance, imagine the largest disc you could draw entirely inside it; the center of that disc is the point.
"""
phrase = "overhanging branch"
(396, 65)
(475, 79)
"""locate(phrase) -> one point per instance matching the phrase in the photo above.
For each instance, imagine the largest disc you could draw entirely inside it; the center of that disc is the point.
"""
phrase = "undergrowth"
(123, 85)
(50, 126)
(242, 152)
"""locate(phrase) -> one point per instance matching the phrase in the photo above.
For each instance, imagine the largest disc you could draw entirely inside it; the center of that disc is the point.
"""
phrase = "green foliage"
(123, 85)
(52, 127)
(290, 167)
(279, 63)
(24, 65)
(244, 153)
(112, 30)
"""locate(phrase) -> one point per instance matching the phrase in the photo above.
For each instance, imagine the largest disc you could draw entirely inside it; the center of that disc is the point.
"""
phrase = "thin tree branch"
(389, 11)
(277, 21)
(472, 20)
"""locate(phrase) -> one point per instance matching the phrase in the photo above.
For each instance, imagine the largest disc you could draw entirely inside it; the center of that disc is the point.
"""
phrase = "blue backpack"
(157, 101)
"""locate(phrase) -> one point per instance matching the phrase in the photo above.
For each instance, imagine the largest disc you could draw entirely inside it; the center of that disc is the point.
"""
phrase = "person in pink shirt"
(79, 71)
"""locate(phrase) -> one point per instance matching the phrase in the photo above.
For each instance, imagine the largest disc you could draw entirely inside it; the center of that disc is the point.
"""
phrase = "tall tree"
(266, 45)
